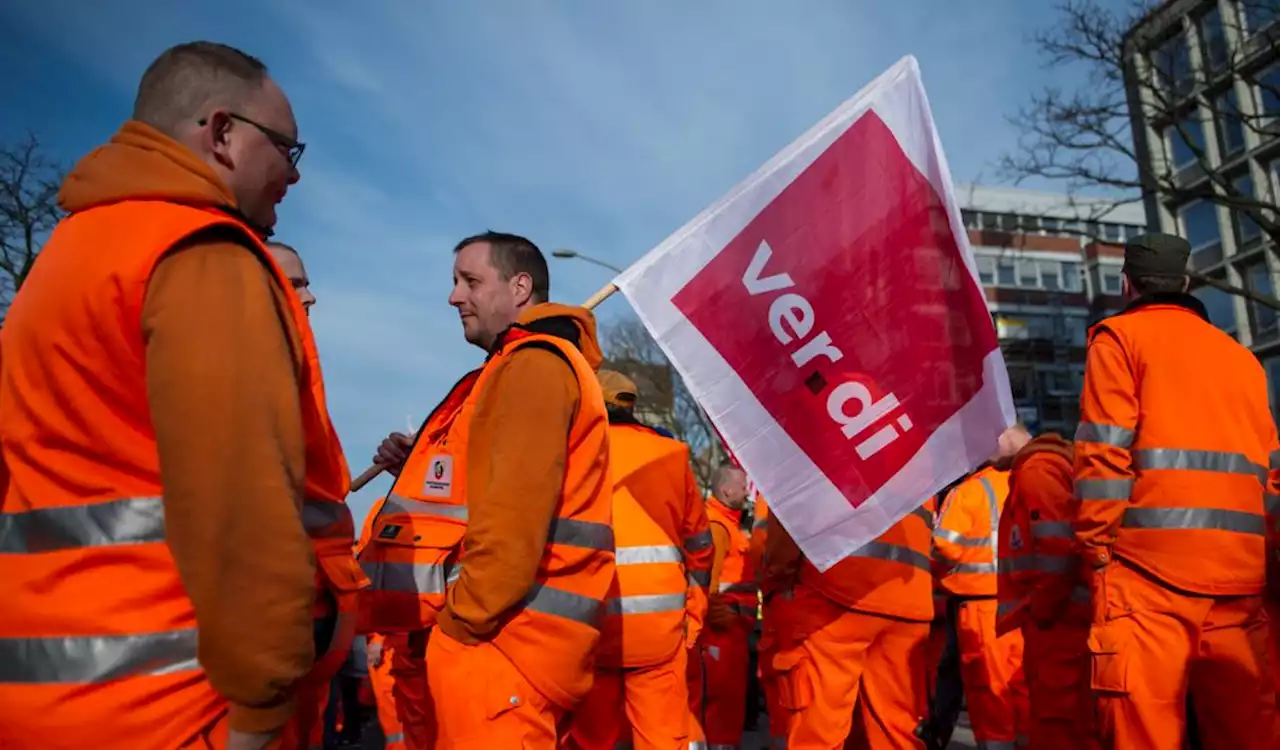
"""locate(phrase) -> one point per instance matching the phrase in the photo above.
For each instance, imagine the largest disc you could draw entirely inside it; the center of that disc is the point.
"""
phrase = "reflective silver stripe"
(1181, 459)
(761, 523)
(699, 541)
(421, 578)
(1271, 502)
(549, 601)
(744, 610)
(737, 588)
(1107, 434)
(131, 520)
(69, 660)
(1016, 564)
(400, 504)
(623, 745)
(892, 553)
(956, 537)
(700, 578)
(973, 568)
(1212, 519)
(585, 534)
(645, 604)
(1081, 594)
(1056, 563)
(649, 555)
(1103, 489)
(1274, 460)
(397, 737)
(996, 745)
(778, 743)
(1006, 607)
(993, 508)
(1052, 530)
(322, 515)
(923, 514)
(722, 747)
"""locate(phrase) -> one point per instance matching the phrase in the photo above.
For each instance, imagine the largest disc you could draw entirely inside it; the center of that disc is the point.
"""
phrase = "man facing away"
(501, 512)
(176, 545)
(1175, 456)
(663, 548)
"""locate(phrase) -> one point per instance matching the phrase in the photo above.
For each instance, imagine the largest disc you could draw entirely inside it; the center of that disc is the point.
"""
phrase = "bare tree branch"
(29, 182)
(663, 399)
(1084, 138)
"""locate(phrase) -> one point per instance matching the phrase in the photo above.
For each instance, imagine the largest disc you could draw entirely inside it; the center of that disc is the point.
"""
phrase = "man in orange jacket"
(850, 654)
(1042, 595)
(497, 533)
(178, 547)
(663, 547)
(966, 556)
(718, 678)
(1176, 453)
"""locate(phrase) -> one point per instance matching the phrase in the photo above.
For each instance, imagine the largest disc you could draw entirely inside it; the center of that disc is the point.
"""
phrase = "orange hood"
(575, 324)
(1047, 443)
(141, 163)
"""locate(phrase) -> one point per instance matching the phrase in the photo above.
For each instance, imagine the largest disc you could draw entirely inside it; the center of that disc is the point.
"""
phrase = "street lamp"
(567, 253)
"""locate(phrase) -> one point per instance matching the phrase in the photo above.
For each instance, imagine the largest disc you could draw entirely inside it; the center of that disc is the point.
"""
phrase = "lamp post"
(567, 253)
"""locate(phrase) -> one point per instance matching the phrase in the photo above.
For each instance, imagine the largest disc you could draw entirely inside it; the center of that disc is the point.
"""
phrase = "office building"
(1050, 267)
(1203, 84)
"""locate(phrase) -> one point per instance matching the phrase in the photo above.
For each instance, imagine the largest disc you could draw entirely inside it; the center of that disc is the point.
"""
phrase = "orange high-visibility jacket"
(663, 547)
(965, 540)
(1039, 570)
(888, 576)
(737, 582)
(97, 627)
(1173, 450)
(418, 536)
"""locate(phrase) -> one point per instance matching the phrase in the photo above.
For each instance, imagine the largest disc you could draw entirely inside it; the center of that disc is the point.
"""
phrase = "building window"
(1230, 124)
(1258, 14)
(1269, 91)
(1113, 232)
(1005, 274)
(990, 220)
(1219, 305)
(1071, 281)
(1111, 281)
(1199, 221)
(970, 219)
(1171, 64)
(1074, 332)
(1247, 230)
(986, 270)
(1272, 368)
(1009, 222)
(1050, 275)
(1028, 274)
(1213, 41)
(1262, 319)
(1185, 141)
(1050, 225)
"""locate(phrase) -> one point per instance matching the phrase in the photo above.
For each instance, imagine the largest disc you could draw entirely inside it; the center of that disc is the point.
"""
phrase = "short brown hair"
(186, 78)
(512, 254)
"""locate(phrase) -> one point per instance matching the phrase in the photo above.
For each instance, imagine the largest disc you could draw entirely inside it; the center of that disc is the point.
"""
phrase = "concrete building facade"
(1203, 85)
(1050, 268)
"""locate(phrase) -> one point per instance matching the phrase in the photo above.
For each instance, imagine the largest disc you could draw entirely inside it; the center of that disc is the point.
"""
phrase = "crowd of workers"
(179, 567)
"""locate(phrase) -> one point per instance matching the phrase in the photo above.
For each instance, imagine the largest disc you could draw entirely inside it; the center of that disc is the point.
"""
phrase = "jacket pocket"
(795, 686)
(1109, 656)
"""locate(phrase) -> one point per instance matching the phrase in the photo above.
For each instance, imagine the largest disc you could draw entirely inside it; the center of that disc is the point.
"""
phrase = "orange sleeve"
(954, 523)
(516, 454)
(720, 542)
(696, 531)
(1045, 486)
(223, 393)
(1103, 462)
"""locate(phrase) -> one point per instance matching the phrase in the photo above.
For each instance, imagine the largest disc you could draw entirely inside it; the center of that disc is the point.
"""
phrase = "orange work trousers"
(835, 661)
(481, 701)
(383, 684)
(1150, 644)
(1056, 664)
(718, 683)
(409, 689)
(648, 701)
(1273, 650)
(995, 688)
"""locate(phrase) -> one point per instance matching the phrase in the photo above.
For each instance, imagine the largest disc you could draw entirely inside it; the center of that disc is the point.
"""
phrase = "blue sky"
(601, 126)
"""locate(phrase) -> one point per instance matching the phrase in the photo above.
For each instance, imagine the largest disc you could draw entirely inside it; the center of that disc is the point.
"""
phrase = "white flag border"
(829, 529)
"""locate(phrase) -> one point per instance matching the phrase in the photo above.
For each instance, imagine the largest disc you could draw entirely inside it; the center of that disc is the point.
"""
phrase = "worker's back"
(965, 540)
(1176, 424)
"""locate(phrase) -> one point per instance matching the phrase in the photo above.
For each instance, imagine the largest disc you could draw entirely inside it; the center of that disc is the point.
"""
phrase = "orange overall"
(662, 549)
(965, 544)
(1175, 452)
(1042, 593)
(852, 641)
